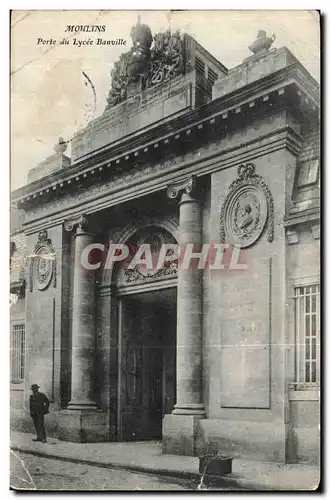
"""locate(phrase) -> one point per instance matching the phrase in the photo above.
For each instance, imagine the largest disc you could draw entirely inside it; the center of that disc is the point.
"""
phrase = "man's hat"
(34, 386)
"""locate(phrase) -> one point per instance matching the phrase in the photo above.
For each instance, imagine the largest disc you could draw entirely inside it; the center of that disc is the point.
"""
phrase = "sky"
(49, 97)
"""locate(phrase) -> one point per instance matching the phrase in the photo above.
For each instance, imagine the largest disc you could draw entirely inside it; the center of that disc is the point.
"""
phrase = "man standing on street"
(39, 407)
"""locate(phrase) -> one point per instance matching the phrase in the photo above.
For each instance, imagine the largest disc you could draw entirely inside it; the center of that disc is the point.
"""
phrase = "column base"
(82, 406)
(189, 409)
(180, 432)
(83, 426)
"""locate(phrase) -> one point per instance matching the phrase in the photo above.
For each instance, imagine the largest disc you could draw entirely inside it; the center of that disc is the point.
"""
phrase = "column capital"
(80, 221)
(187, 186)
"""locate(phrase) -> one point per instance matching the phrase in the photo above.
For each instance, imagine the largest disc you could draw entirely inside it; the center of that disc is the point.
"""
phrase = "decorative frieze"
(247, 210)
(135, 275)
(154, 242)
(42, 263)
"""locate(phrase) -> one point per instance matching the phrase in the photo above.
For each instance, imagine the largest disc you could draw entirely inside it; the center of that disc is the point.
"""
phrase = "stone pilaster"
(179, 429)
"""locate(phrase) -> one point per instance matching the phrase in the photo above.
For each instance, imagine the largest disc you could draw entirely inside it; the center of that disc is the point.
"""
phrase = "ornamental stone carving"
(247, 210)
(167, 57)
(42, 264)
(140, 273)
(151, 60)
(139, 60)
(187, 185)
(80, 221)
(135, 275)
(263, 43)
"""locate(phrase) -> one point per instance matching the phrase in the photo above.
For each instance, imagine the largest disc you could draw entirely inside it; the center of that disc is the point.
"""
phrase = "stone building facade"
(186, 152)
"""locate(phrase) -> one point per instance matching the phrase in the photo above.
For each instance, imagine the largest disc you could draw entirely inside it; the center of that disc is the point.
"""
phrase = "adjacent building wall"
(17, 316)
(303, 268)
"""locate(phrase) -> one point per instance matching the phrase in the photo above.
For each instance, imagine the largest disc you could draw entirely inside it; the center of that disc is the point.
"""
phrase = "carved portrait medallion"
(43, 263)
(248, 208)
(43, 268)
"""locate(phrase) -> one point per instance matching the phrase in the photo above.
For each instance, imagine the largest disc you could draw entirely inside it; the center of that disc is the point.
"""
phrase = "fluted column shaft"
(83, 328)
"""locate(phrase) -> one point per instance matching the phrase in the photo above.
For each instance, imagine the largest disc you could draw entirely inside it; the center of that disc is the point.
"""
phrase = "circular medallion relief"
(245, 215)
(43, 267)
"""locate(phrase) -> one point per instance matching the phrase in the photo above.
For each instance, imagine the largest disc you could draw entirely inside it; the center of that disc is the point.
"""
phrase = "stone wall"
(47, 345)
(252, 69)
(137, 114)
(20, 419)
(244, 337)
(52, 164)
(43, 327)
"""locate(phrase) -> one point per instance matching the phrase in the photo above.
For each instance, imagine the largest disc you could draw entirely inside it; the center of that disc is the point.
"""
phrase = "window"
(205, 71)
(212, 76)
(307, 326)
(308, 172)
(17, 353)
(200, 66)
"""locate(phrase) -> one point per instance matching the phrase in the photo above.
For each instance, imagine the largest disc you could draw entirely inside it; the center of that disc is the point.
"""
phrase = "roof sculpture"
(151, 60)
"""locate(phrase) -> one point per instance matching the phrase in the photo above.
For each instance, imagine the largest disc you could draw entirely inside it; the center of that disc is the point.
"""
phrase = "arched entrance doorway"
(147, 340)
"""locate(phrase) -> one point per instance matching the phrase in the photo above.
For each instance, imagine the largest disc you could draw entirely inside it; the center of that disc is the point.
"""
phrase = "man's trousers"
(39, 424)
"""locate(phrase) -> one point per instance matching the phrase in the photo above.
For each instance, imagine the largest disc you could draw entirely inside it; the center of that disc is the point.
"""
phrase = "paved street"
(32, 472)
(129, 465)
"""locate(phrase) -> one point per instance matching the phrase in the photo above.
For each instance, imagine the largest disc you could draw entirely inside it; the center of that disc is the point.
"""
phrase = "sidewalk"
(147, 457)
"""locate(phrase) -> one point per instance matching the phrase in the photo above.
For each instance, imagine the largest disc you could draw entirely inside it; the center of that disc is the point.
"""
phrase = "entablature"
(291, 88)
(155, 178)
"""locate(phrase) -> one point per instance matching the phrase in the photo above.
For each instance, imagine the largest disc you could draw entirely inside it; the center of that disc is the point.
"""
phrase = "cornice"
(17, 232)
(301, 218)
(161, 179)
(166, 135)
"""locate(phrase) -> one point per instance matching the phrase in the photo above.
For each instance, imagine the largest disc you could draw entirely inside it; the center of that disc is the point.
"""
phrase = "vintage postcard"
(165, 250)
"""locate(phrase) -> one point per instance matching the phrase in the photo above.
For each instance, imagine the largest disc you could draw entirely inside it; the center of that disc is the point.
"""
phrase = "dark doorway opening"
(147, 363)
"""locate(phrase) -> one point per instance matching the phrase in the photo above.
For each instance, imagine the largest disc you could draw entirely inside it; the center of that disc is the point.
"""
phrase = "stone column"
(83, 325)
(82, 421)
(179, 429)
